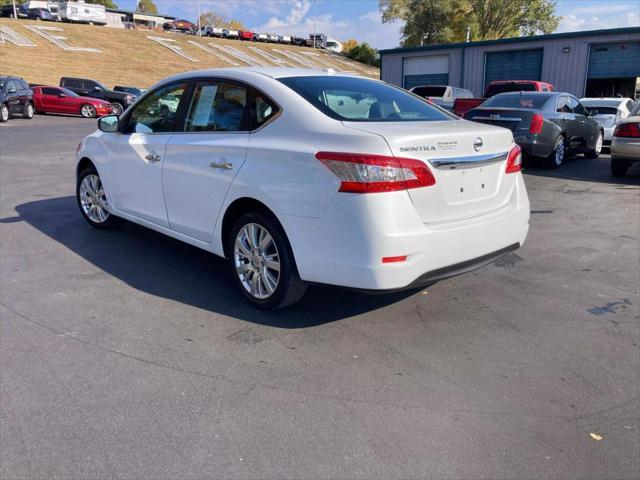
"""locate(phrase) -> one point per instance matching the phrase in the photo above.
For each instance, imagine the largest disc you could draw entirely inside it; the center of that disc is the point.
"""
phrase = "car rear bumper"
(625, 148)
(535, 145)
(345, 247)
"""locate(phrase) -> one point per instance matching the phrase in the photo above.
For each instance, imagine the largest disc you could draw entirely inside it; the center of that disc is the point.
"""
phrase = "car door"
(135, 156)
(49, 99)
(202, 161)
(587, 128)
(567, 120)
(13, 96)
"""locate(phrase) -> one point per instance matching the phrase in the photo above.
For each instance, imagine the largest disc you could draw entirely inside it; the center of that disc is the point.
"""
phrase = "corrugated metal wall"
(567, 71)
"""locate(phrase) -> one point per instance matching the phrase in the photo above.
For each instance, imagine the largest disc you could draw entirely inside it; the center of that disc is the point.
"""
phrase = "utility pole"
(199, 26)
(15, 11)
(315, 15)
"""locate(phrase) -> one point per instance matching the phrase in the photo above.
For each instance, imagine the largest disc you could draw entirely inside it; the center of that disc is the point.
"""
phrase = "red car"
(246, 35)
(61, 100)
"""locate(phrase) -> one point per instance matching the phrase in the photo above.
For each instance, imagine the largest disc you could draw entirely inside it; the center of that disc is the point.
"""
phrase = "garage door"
(615, 60)
(432, 70)
(513, 65)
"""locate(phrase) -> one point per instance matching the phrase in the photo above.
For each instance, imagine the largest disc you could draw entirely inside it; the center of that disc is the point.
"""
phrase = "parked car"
(299, 41)
(608, 112)
(284, 39)
(262, 37)
(247, 35)
(16, 98)
(7, 11)
(212, 32)
(40, 14)
(442, 95)
(61, 100)
(298, 177)
(625, 144)
(90, 88)
(547, 125)
(137, 92)
(228, 33)
(182, 26)
(463, 105)
(273, 38)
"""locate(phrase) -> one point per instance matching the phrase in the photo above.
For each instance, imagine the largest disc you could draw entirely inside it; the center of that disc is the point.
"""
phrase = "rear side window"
(217, 106)
(72, 83)
(262, 110)
(533, 102)
(362, 100)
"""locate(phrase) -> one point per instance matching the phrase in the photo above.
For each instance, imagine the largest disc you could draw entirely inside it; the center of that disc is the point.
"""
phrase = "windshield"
(603, 110)
(362, 100)
(509, 87)
(430, 91)
(529, 102)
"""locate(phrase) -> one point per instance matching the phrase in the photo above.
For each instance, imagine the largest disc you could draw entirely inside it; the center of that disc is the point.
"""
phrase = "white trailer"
(81, 12)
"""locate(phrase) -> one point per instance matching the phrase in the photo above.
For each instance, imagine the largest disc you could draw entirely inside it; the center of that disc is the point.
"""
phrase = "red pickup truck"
(462, 105)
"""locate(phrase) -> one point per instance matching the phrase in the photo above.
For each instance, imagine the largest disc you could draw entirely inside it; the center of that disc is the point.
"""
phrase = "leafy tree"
(510, 18)
(235, 25)
(441, 21)
(147, 6)
(364, 53)
(212, 19)
(347, 45)
(106, 3)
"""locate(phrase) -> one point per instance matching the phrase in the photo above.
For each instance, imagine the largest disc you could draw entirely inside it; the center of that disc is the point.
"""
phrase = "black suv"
(90, 88)
(15, 98)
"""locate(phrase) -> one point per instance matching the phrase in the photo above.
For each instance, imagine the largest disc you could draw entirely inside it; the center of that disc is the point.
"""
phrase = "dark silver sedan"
(548, 126)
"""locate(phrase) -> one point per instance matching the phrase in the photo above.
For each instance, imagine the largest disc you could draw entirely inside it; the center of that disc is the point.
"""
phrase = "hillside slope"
(128, 57)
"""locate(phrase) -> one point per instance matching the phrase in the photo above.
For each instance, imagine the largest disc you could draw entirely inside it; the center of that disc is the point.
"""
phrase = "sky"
(360, 19)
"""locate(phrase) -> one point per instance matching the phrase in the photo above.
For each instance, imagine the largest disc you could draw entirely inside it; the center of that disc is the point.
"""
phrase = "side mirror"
(108, 123)
(97, 89)
(62, 95)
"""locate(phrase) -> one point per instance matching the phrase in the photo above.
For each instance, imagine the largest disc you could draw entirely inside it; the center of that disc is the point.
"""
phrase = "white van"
(81, 12)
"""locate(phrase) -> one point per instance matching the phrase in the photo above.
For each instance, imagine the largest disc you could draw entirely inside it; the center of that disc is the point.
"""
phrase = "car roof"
(538, 94)
(272, 72)
(604, 101)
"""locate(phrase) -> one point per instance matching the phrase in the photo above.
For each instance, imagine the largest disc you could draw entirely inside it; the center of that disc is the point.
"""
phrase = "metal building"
(591, 63)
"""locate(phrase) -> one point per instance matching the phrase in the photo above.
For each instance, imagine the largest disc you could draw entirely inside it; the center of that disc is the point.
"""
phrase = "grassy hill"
(128, 57)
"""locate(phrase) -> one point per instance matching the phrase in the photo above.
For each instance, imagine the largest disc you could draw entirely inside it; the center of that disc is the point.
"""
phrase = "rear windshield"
(360, 100)
(533, 102)
(430, 91)
(509, 87)
(598, 110)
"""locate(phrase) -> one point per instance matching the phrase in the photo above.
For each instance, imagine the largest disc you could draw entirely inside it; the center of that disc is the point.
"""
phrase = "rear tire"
(262, 262)
(4, 113)
(92, 200)
(597, 149)
(558, 155)
(28, 111)
(619, 167)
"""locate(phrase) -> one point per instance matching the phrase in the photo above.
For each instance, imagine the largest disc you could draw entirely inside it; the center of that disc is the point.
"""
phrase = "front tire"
(4, 113)
(88, 111)
(558, 155)
(619, 167)
(262, 262)
(116, 108)
(597, 148)
(92, 200)
(28, 111)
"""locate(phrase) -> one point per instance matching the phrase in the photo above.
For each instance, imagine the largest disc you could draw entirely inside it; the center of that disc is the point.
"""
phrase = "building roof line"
(551, 36)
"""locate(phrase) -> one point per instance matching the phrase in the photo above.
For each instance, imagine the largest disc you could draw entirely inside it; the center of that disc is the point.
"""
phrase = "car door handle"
(223, 165)
(153, 157)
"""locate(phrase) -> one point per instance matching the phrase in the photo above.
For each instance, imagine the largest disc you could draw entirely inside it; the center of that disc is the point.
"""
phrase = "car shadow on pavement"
(585, 170)
(161, 266)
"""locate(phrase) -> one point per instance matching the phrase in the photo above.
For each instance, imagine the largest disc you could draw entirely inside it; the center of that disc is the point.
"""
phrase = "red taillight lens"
(627, 130)
(536, 124)
(514, 160)
(397, 259)
(363, 173)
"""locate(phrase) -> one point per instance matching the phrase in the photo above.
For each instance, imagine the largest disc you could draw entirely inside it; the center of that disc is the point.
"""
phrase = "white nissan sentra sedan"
(301, 176)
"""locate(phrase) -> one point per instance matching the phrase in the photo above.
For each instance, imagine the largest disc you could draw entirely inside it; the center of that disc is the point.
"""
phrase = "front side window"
(217, 106)
(50, 91)
(563, 105)
(362, 100)
(577, 107)
(156, 112)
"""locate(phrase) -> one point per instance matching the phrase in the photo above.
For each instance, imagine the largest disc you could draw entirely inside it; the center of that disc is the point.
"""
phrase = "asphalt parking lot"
(125, 354)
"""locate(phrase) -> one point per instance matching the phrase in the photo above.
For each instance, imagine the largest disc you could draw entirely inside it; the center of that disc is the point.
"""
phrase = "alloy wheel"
(116, 109)
(30, 111)
(93, 199)
(560, 151)
(599, 144)
(257, 261)
(88, 111)
(4, 113)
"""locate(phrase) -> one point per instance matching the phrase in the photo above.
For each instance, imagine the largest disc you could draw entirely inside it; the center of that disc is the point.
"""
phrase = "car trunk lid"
(467, 160)
(511, 118)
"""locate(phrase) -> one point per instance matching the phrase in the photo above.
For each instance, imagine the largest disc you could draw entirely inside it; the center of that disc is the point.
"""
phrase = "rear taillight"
(514, 160)
(631, 130)
(364, 173)
(536, 124)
